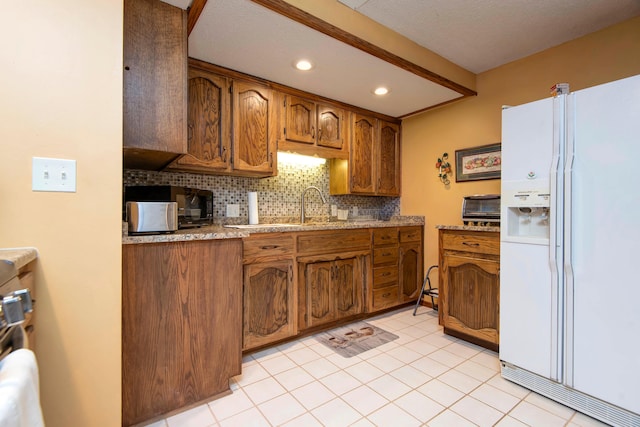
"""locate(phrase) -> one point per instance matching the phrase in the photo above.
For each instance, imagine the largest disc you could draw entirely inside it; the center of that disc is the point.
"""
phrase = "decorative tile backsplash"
(278, 196)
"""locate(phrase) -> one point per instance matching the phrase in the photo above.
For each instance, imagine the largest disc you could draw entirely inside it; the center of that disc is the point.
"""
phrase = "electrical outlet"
(53, 175)
(334, 210)
(233, 211)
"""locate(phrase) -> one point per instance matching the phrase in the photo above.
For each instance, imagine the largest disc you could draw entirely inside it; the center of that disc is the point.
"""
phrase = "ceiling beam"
(193, 14)
(305, 18)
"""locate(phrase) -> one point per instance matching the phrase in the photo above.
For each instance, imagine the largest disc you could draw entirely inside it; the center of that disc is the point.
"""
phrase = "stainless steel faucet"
(302, 201)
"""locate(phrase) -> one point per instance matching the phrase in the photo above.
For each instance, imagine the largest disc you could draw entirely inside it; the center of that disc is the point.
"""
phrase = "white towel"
(20, 390)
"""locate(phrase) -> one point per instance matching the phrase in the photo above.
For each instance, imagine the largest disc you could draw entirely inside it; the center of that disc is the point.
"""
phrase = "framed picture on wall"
(484, 162)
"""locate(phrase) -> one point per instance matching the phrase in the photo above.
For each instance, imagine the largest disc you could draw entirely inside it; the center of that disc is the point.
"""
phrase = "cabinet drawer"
(333, 241)
(385, 236)
(479, 242)
(385, 297)
(410, 234)
(388, 255)
(267, 246)
(384, 275)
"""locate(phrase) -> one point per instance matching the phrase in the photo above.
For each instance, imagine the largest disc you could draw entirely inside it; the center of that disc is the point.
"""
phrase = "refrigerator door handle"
(568, 248)
(555, 216)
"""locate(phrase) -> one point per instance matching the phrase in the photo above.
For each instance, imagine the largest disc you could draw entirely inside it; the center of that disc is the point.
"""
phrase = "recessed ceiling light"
(304, 65)
(381, 90)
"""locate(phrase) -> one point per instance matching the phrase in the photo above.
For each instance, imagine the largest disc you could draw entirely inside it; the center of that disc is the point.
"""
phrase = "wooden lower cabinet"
(409, 271)
(181, 324)
(298, 282)
(397, 266)
(470, 285)
(330, 287)
(268, 303)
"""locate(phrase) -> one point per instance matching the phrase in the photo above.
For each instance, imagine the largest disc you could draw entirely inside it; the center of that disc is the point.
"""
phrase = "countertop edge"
(19, 256)
(219, 232)
(468, 228)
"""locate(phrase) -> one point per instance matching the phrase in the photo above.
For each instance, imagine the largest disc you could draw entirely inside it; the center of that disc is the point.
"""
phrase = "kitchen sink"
(250, 226)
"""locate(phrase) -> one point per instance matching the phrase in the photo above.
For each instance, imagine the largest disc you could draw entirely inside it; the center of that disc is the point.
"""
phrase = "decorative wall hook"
(444, 168)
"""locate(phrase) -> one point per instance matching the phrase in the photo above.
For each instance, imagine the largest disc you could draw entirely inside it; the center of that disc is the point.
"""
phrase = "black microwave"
(195, 206)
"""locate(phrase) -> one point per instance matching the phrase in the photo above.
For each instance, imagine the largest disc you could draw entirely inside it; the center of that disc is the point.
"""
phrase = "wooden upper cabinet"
(300, 120)
(373, 167)
(209, 122)
(388, 160)
(254, 129)
(362, 152)
(331, 127)
(313, 128)
(154, 84)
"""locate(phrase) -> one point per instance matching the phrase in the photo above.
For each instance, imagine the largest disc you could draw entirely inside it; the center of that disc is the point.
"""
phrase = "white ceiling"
(477, 35)
(481, 35)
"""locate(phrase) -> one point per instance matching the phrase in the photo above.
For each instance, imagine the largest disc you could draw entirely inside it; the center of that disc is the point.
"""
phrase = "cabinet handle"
(269, 247)
(319, 134)
(386, 254)
(386, 274)
(388, 294)
(385, 237)
(224, 154)
(313, 132)
(475, 245)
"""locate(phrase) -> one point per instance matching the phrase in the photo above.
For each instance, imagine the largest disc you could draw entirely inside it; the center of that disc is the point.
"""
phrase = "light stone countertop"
(219, 232)
(468, 228)
(19, 256)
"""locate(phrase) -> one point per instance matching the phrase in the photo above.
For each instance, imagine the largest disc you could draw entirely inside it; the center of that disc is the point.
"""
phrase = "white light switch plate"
(53, 175)
(233, 211)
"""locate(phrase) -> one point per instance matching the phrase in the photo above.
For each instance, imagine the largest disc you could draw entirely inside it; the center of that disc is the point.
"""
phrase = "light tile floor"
(423, 378)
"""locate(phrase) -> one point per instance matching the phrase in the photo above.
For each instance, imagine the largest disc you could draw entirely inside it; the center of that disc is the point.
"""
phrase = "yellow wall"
(597, 58)
(61, 96)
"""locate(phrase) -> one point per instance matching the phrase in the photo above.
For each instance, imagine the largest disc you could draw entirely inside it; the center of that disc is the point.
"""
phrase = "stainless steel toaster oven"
(481, 209)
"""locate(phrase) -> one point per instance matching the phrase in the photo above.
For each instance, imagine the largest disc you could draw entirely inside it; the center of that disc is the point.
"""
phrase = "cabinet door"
(470, 297)
(319, 297)
(209, 120)
(254, 129)
(268, 303)
(331, 127)
(410, 269)
(154, 83)
(347, 287)
(388, 160)
(300, 120)
(362, 151)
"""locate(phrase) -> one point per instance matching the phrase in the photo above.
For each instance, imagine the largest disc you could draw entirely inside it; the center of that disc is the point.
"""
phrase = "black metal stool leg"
(431, 292)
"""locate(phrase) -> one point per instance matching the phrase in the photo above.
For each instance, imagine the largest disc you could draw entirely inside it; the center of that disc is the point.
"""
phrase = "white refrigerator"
(570, 249)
